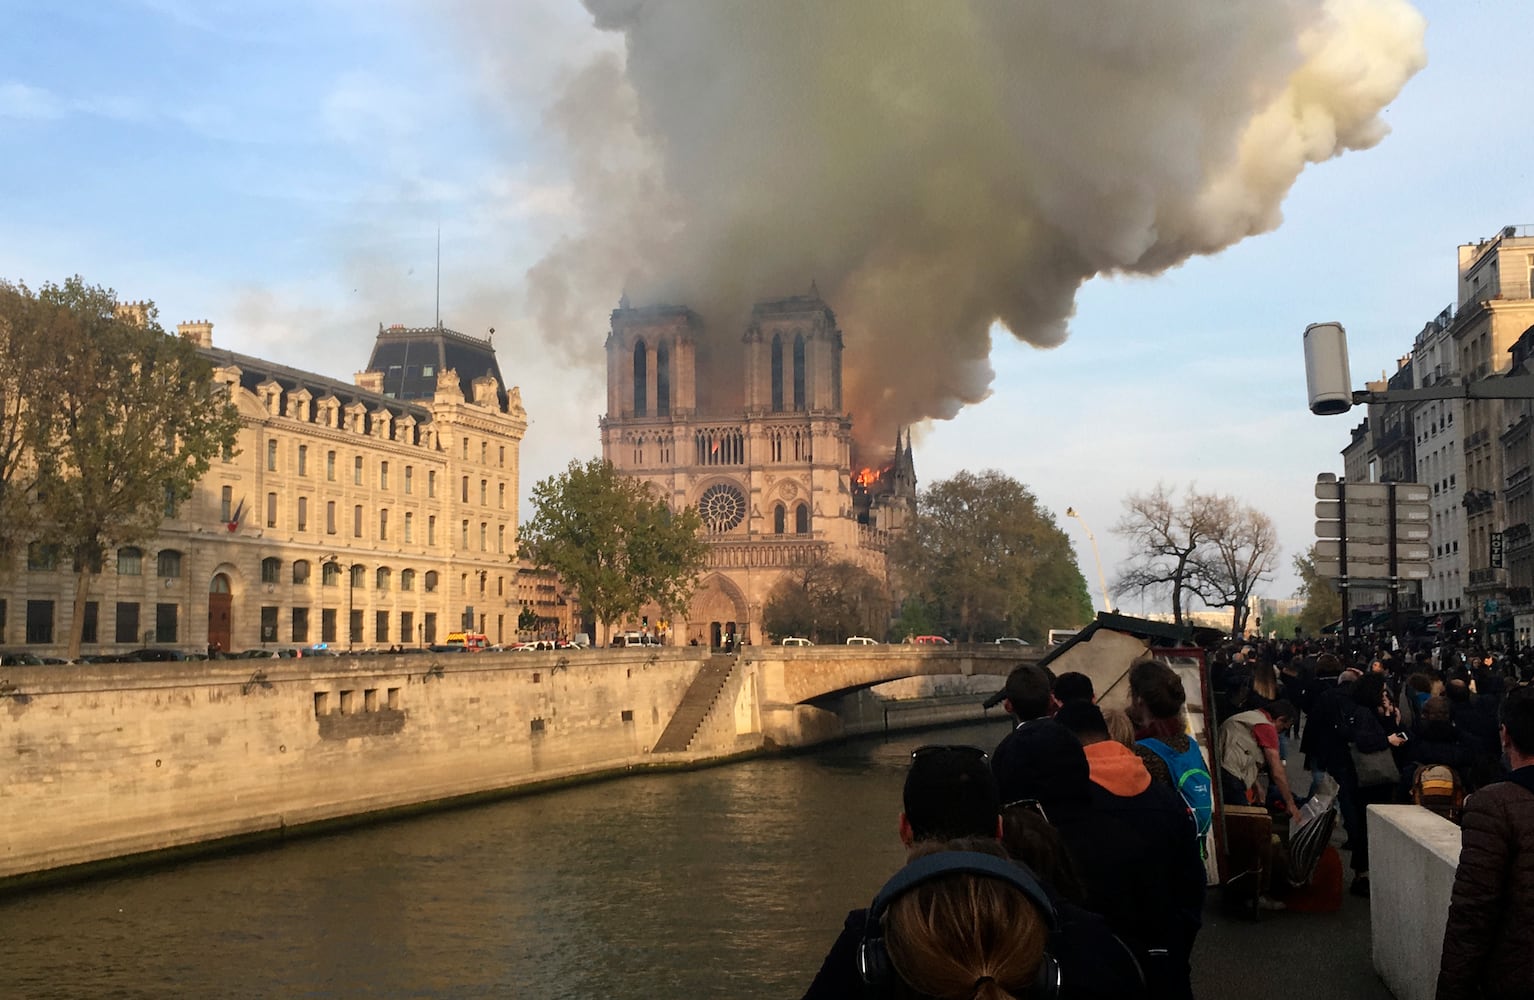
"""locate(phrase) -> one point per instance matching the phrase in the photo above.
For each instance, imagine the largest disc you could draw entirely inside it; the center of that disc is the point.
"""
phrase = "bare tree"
(1167, 536)
(1242, 551)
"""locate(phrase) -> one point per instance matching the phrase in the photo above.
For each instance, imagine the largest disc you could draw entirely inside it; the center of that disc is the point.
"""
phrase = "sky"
(283, 169)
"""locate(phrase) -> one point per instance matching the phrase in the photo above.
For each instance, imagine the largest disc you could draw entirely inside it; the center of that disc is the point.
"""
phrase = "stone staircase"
(695, 705)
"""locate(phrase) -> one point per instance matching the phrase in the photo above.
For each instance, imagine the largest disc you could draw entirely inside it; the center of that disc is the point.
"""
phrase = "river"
(725, 882)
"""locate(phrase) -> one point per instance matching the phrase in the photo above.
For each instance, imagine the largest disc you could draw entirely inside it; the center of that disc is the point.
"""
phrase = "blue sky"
(282, 168)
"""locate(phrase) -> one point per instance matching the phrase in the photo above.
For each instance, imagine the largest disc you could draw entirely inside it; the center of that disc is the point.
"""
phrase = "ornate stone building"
(761, 446)
(363, 515)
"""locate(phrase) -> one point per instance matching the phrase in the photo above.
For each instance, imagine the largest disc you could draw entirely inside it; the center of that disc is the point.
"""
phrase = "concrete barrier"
(1412, 857)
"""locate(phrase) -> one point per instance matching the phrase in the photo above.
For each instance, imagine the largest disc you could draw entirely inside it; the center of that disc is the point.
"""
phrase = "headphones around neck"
(879, 975)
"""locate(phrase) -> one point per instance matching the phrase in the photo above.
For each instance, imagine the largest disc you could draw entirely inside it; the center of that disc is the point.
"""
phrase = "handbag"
(1377, 768)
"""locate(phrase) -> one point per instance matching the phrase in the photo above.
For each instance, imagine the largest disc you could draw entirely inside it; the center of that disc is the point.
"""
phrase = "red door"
(218, 621)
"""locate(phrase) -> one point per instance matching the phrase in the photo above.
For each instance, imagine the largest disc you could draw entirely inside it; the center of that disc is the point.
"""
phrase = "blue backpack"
(1190, 778)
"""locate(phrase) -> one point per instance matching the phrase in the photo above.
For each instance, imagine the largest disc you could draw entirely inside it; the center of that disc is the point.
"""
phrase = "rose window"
(722, 507)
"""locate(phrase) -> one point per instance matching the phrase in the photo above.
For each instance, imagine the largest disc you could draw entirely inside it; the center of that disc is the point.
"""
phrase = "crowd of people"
(1070, 861)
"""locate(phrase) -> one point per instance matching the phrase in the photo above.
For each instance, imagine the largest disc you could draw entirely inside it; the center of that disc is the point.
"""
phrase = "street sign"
(1371, 531)
(1372, 570)
(1331, 510)
(1375, 494)
(1373, 552)
(1496, 550)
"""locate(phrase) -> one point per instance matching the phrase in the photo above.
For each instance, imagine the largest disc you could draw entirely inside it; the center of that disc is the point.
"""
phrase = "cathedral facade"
(760, 443)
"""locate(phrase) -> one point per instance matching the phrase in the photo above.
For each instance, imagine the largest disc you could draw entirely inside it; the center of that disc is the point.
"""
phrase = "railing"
(1485, 576)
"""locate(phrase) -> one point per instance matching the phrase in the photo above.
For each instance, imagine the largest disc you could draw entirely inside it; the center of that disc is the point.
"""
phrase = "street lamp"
(1101, 579)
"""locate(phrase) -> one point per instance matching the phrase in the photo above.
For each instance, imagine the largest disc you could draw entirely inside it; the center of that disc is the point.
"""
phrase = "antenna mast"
(439, 277)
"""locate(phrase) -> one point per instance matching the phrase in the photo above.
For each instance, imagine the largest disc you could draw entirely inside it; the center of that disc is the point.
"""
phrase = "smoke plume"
(937, 166)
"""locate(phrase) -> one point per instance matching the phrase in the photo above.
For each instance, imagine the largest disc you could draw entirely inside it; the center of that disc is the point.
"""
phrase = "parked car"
(20, 660)
(1012, 640)
(928, 640)
(861, 640)
(157, 656)
(795, 640)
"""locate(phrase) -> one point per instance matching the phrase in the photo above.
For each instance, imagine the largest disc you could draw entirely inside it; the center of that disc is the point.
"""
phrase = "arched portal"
(717, 614)
(220, 609)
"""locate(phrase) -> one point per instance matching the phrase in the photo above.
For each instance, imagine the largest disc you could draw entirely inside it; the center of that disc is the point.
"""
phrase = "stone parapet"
(1412, 857)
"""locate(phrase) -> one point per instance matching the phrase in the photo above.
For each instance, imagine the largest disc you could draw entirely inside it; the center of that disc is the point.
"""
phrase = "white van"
(794, 640)
(861, 640)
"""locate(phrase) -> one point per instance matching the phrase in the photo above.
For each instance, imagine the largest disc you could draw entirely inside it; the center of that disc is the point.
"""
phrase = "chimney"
(199, 332)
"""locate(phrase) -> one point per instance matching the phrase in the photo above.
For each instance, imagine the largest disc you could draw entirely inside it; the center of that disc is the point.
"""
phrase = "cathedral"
(759, 441)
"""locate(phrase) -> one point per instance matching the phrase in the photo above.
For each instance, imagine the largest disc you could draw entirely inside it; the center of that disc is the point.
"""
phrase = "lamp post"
(1096, 556)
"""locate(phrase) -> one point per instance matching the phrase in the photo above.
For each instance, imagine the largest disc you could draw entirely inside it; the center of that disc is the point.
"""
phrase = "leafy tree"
(21, 386)
(985, 554)
(827, 601)
(614, 540)
(127, 422)
(1167, 537)
(1323, 604)
(916, 618)
(1242, 551)
(528, 620)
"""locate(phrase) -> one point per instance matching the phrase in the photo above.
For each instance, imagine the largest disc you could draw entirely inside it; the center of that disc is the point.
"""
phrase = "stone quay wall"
(114, 760)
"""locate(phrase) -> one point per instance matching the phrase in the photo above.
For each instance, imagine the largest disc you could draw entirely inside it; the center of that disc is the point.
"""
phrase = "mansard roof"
(402, 353)
(254, 371)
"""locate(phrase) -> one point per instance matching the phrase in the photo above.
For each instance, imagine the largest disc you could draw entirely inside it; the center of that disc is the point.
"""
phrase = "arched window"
(381, 578)
(219, 584)
(130, 561)
(777, 374)
(271, 569)
(798, 371)
(359, 576)
(330, 574)
(641, 379)
(430, 583)
(407, 579)
(169, 563)
(779, 519)
(301, 571)
(802, 519)
(662, 381)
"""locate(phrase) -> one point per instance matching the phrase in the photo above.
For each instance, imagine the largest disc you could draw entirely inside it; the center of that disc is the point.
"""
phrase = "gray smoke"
(937, 165)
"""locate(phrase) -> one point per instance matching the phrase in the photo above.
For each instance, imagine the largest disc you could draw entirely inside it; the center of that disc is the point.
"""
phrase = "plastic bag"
(1321, 799)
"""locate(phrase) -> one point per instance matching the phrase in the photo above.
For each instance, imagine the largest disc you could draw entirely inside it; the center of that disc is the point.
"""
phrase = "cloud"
(20, 100)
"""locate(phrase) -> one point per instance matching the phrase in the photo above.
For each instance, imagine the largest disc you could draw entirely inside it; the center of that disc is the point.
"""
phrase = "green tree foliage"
(1323, 604)
(124, 421)
(990, 560)
(21, 378)
(827, 602)
(614, 540)
(528, 620)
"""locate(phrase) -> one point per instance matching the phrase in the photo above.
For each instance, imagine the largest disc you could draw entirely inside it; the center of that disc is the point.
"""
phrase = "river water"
(726, 882)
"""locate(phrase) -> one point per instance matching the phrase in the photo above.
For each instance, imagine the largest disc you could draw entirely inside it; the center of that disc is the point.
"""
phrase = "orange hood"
(1117, 768)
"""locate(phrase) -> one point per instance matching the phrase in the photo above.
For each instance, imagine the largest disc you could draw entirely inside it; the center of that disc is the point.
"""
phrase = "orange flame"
(867, 477)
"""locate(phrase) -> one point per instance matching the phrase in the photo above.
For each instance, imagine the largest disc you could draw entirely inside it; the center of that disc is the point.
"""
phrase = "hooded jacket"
(1117, 768)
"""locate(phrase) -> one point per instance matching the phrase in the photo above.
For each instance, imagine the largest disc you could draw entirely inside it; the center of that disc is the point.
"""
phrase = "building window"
(90, 622)
(431, 482)
(383, 475)
(380, 626)
(303, 460)
(359, 576)
(429, 584)
(354, 626)
(484, 537)
(779, 519)
(662, 381)
(357, 521)
(170, 501)
(303, 513)
(409, 528)
(431, 529)
(798, 371)
(409, 480)
(381, 578)
(777, 374)
(39, 621)
(130, 561)
(165, 622)
(226, 504)
(269, 623)
(357, 471)
(802, 519)
(463, 535)
(383, 525)
(330, 517)
(300, 630)
(465, 449)
(484, 496)
(641, 379)
(484, 452)
(271, 570)
(407, 579)
(127, 622)
(271, 455)
(500, 496)
(42, 558)
(330, 574)
(500, 538)
(169, 564)
(301, 571)
(271, 510)
(330, 466)
(429, 627)
(328, 625)
(502, 460)
(465, 489)
(406, 626)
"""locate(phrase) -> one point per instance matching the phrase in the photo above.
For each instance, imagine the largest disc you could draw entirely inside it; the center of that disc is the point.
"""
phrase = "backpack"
(1437, 788)
(1191, 780)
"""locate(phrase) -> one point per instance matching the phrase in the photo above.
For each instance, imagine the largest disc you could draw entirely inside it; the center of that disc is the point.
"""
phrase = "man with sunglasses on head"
(950, 796)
